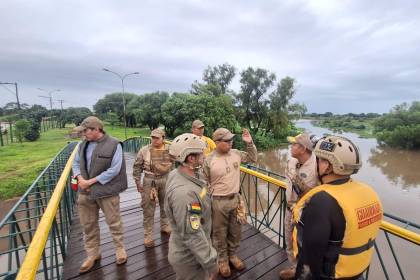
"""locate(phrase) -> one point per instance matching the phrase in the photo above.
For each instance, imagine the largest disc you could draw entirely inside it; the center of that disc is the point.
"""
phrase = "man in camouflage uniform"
(301, 176)
(155, 163)
(188, 207)
(222, 171)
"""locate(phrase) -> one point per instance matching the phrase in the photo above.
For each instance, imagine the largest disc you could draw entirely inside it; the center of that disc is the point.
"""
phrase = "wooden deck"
(262, 257)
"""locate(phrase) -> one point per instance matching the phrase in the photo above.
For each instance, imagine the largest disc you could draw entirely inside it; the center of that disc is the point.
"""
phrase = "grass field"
(20, 164)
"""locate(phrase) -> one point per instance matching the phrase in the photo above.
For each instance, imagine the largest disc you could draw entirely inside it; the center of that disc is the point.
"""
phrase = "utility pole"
(16, 91)
(49, 95)
(61, 103)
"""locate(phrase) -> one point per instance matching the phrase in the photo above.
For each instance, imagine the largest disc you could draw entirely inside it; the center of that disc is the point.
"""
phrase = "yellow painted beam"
(264, 177)
(33, 256)
(401, 232)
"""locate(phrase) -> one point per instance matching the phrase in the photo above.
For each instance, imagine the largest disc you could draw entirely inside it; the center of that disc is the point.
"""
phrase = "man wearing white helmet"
(337, 222)
(188, 208)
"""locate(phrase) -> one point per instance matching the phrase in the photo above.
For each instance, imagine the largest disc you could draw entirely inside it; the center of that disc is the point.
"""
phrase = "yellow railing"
(32, 259)
(387, 226)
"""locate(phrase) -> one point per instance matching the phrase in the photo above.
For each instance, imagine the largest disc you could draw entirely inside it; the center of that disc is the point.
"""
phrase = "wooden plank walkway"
(263, 258)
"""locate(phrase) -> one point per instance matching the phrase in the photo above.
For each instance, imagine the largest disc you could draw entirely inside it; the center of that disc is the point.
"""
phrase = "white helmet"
(184, 145)
(343, 155)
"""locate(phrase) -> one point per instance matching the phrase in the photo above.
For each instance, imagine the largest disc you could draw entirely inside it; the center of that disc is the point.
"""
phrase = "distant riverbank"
(364, 127)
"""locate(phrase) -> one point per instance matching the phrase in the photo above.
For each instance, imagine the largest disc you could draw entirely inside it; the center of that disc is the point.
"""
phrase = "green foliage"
(401, 127)
(74, 115)
(252, 104)
(21, 128)
(217, 80)
(112, 119)
(33, 133)
(147, 108)
(114, 103)
(213, 103)
(279, 107)
(181, 109)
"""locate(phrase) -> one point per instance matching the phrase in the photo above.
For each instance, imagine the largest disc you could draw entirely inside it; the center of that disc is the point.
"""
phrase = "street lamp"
(122, 77)
(49, 95)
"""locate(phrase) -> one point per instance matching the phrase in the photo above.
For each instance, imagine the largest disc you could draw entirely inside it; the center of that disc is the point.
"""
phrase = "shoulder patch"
(194, 208)
(195, 221)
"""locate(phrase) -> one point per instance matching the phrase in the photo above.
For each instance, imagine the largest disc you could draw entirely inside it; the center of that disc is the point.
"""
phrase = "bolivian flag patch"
(194, 208)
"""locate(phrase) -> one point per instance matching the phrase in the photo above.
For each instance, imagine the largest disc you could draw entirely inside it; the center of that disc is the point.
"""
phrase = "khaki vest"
(101, 161)
(157, 161)
(363, 212)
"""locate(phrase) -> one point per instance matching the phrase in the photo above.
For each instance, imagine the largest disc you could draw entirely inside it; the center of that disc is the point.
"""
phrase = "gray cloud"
(347, 56)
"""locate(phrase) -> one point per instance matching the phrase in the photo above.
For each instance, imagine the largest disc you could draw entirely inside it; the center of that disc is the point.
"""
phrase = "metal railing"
(265, 195)
(24, 228)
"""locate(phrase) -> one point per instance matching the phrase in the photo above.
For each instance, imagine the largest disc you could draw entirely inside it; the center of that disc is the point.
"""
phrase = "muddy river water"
(393, 173)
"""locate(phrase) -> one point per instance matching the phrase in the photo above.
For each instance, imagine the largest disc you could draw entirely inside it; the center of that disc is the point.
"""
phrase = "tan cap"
(197, 124)
(77, 129)
(157, 133)
(302, 139)
(222, 134)
(92, 122)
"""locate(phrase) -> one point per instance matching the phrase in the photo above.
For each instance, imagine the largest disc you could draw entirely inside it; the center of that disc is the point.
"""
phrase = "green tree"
(217, 80)
(147, 108)
(297, 110)
(112, 118)
(279, 107)
(174, 112)
(33, 132)
(181, 109)
(114, 103)
(21, 128)
(251, 100)
(401, 127)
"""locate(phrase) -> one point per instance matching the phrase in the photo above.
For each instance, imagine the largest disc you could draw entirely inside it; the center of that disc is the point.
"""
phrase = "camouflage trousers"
(288, 231)
(226, 235)
(149, 205)
(89, 218)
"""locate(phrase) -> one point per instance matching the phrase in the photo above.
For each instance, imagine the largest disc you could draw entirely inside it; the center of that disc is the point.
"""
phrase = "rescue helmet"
(341, 153)
(184, 145)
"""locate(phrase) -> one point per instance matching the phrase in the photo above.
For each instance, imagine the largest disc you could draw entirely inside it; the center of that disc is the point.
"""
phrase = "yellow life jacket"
(363, 213)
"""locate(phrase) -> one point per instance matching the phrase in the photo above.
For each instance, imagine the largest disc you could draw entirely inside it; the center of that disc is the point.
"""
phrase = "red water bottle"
(74, 183)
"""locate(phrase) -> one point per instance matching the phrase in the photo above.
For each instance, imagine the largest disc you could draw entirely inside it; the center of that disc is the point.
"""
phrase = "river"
(393, 173)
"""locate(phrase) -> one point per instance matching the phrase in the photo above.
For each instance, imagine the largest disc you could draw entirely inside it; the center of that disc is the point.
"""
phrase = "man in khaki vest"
(100, 170)
(198, 129)
(221, 169)
(155, 163)
(301, 176)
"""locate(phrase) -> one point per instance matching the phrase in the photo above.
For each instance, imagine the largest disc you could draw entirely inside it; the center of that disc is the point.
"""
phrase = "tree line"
(26, 122)
(400, 128)
(262, 104)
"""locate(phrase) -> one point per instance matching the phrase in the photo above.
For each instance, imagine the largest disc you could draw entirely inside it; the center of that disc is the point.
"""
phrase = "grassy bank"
(364, 128)
(20, 164)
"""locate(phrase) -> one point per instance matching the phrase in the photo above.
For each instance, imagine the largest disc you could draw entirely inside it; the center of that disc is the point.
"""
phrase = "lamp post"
(49, 95)
(122, 77)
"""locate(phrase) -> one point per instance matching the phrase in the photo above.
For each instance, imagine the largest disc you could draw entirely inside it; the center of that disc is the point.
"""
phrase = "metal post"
(123, 94)
(16, 92)
(17, 96)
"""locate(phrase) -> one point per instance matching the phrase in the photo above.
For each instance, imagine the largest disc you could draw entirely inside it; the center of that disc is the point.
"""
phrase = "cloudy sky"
(347, 56)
